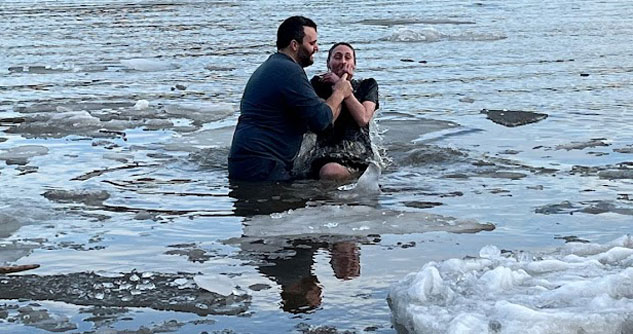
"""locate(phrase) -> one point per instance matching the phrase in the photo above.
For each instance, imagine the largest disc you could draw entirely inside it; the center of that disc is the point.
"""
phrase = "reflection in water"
(300, 289)
(291, 265)
(263, 198)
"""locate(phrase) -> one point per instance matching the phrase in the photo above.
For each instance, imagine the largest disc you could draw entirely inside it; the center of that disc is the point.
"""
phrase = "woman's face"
(342, 61)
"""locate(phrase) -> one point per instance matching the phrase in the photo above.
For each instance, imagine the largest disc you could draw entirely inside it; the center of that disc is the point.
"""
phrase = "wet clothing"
(345, 143)
(278, 106)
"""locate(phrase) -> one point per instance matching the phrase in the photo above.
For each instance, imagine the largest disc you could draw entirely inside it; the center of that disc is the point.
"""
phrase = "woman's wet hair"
(329, 53)
(292, 29)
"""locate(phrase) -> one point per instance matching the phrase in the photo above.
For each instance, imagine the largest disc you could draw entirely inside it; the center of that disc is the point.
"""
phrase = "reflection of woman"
(345, 150)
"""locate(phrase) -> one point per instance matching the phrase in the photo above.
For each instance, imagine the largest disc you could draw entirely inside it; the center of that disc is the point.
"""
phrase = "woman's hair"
(329, 53)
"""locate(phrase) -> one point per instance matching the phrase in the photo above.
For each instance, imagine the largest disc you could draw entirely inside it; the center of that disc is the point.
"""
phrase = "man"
(279, 105)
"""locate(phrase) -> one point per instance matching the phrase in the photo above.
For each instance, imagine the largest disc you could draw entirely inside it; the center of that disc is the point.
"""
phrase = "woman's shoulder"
(368, 82)
(365, 83)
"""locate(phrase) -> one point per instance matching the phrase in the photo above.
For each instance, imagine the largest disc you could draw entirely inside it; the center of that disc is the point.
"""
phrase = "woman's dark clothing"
(345, 143)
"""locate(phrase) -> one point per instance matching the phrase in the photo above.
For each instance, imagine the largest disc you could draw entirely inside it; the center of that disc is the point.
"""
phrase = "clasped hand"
(343, 85)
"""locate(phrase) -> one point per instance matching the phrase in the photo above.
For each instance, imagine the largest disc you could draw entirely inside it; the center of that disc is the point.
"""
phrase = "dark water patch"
(571, 238)
(421, 204)
(160, 291)
(11, 121)
(598, 154)
(74, 246)
(512, 118)
(146, 183)
(155, 212)
(502, 175)
(627, 150)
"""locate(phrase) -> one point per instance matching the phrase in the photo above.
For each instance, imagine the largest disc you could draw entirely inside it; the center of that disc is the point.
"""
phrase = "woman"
(344, 151)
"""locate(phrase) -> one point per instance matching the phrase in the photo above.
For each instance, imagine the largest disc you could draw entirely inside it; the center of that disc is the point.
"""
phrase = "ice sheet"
(581, 288)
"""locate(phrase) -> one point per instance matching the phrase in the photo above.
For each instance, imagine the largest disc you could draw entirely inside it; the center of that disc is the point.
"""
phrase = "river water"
(115, 121)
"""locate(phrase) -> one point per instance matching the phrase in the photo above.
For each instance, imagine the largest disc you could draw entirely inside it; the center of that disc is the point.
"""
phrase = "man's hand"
(343, 86)
(330, 77)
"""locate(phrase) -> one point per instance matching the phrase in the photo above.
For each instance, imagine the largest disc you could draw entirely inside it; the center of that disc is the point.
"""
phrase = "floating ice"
(141, 105)
(21, 154)
(216, 283)
(582, 288)
(411, 35)
(354, 221)
(89, 197)
(201, 112)
(148, 65)
(368, 182)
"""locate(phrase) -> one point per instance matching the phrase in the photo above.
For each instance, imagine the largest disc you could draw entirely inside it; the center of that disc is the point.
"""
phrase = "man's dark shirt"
(278, 106)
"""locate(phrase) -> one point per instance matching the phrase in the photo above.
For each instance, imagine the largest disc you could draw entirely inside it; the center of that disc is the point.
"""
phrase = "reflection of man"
(279, 105)
(300, 288)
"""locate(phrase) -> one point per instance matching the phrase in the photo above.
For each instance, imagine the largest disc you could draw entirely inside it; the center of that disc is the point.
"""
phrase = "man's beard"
(303, 57)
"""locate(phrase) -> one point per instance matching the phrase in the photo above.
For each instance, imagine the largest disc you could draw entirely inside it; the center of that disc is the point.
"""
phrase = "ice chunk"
(419, 35)
(429, 285)
(355, 220)
(89, 197)
(23, 153)
(501, 278)
(368, 182)
(147, 65)
(141, 105)
(586, 291)
(216, 283)
(489, 252)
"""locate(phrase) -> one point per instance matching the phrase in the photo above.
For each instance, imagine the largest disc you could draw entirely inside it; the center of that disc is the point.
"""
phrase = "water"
(94, 181)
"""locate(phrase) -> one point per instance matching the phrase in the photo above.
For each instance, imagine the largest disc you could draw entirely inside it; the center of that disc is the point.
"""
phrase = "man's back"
(277, 108)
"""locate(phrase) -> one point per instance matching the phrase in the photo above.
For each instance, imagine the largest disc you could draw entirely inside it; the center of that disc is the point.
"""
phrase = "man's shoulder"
(280, 59)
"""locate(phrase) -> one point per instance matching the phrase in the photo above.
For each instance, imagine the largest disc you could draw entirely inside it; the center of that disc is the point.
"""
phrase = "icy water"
(116, 116)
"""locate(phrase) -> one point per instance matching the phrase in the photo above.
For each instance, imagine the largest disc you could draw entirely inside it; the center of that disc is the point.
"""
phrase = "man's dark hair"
(329, 53)
(292, 29)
